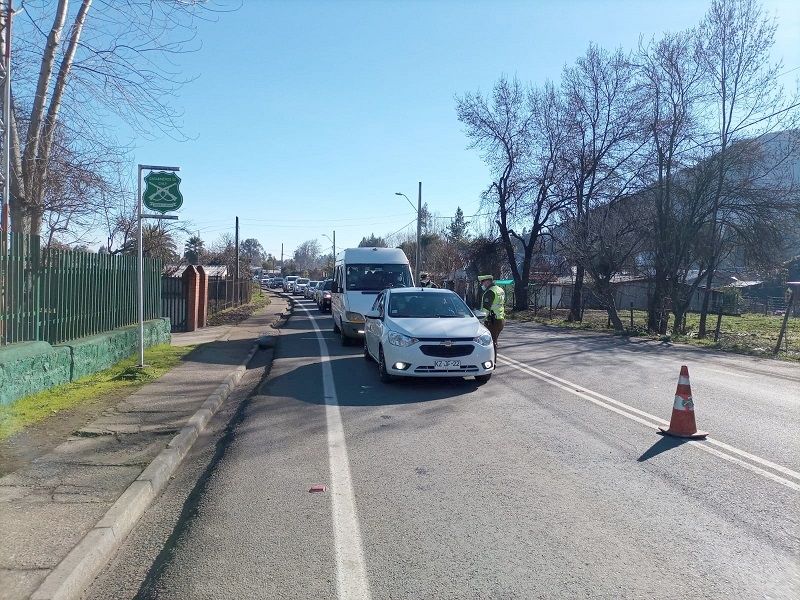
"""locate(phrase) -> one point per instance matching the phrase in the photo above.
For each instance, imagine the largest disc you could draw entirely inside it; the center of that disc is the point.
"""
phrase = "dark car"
(276, 283)
(324, 295)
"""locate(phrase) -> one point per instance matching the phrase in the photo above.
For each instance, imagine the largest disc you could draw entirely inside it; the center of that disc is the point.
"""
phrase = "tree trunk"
(603, 288)
(577, 293)
(679, 312)
(701, 333)
(654, 308)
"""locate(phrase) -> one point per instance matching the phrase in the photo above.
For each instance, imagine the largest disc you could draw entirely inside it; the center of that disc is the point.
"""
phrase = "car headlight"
(326, 295)
(398, 339)
(484, 339)
(354, 317)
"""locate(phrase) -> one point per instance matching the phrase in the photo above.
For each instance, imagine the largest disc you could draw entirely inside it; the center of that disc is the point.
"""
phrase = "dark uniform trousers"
(495, 328)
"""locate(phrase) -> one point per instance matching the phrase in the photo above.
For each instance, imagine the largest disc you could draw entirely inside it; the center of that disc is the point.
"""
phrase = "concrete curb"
(70, 578)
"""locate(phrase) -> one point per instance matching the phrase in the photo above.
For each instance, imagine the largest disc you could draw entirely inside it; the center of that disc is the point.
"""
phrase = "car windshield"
(377, 277)
(301, 281)
(427, 306)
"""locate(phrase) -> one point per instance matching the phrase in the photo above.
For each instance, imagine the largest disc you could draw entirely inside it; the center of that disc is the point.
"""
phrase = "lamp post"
(419, 229)
(332, 241)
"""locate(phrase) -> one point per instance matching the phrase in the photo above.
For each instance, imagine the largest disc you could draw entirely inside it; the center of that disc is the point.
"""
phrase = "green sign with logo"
(162, 193)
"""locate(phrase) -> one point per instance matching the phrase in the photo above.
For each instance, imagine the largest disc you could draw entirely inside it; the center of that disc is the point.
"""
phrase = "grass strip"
(125, 376)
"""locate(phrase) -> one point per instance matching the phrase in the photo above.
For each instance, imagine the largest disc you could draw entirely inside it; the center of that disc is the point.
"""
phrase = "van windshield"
(377, 277)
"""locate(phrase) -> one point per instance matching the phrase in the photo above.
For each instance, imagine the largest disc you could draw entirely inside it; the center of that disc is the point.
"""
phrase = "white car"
(308, 293)
(299, 286)
(425, 332)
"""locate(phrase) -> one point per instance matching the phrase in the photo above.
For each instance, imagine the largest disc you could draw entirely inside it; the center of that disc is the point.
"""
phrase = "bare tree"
(108, 55)
(606, 244)
(671, 86)
(746, 100)
(306, 256)
(601, 153)
(518, 131)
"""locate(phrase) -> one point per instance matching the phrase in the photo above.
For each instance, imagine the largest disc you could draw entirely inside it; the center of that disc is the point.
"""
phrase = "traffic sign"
(162, 193)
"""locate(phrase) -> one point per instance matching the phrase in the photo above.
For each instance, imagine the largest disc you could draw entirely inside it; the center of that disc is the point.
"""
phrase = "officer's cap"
(485, 277)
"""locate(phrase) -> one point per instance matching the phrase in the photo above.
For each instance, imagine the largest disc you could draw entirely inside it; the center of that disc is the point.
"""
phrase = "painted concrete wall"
(32, 367)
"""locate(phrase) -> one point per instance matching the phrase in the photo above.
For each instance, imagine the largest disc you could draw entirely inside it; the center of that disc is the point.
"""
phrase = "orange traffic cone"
(682, 423)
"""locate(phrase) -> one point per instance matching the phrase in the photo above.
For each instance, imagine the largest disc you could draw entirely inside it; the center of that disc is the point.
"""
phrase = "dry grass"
(745, 334)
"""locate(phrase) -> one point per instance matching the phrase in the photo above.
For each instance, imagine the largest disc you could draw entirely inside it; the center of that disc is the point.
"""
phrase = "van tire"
(344, 337)
(335, 326)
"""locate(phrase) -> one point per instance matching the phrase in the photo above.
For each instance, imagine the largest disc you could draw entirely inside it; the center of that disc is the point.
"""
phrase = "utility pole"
(236, 280)
(419, 234)
(6, 13)
(281, 258)
(237, 247)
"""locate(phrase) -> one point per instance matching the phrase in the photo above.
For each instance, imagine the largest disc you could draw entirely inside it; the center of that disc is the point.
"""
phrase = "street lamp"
(419, 228)
(332, 241)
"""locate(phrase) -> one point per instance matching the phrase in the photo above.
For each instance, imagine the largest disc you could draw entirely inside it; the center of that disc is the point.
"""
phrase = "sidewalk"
(63, 516)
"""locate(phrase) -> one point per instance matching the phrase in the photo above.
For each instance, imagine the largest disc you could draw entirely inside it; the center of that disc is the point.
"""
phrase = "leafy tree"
(372, 242)
(193, 250)
(252, 251)
(457, 229)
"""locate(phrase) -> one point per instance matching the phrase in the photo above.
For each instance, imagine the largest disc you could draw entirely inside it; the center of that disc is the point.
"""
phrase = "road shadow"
(665, 444)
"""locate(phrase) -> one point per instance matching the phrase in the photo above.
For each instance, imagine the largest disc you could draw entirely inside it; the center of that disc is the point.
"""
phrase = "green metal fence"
(61, 295)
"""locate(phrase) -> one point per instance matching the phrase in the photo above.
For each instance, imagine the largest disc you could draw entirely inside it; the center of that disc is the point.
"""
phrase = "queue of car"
(407, 331)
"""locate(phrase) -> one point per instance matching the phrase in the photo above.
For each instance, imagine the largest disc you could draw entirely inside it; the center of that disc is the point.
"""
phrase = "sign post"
(162, 195)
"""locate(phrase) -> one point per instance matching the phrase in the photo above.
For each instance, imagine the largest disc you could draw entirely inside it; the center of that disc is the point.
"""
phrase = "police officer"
(425, 281)
(493, 302)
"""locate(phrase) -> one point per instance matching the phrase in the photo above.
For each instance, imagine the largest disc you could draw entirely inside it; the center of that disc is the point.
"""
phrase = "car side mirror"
(480, 315)
(372, 314)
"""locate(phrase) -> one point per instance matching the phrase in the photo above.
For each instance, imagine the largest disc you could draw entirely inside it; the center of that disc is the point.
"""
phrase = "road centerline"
(725, 452)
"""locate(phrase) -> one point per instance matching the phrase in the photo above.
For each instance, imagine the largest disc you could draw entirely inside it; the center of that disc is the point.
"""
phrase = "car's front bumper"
(422, 365)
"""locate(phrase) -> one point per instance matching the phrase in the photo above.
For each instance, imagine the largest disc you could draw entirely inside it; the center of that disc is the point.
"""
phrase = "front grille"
(462, 369)
(446, 351)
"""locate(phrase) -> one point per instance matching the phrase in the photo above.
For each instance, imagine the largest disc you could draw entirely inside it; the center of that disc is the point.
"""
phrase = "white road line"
(649, 420)
(351, 573)
(730, 373)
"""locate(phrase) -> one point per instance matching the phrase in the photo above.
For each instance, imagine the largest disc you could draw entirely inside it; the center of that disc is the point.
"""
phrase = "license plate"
(446, 364)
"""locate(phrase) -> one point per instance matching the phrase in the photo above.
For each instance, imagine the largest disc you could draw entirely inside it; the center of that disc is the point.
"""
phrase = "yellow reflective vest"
(497, 303)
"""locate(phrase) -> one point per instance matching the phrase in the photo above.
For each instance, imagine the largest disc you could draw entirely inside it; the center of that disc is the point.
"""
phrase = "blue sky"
(307, 116)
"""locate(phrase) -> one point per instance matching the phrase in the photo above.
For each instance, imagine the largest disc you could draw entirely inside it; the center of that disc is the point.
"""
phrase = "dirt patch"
(234, 316)
(38, 439)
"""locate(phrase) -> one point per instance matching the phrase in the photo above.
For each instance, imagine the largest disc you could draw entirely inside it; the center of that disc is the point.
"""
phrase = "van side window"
(338, 278)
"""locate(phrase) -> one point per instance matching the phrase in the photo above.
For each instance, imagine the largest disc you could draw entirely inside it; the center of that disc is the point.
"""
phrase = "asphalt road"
(547, 482)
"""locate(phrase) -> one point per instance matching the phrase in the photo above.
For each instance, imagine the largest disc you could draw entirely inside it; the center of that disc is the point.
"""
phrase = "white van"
(358, 277)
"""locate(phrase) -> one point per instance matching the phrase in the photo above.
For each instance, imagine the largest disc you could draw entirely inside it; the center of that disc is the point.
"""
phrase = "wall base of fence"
(31, 367)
